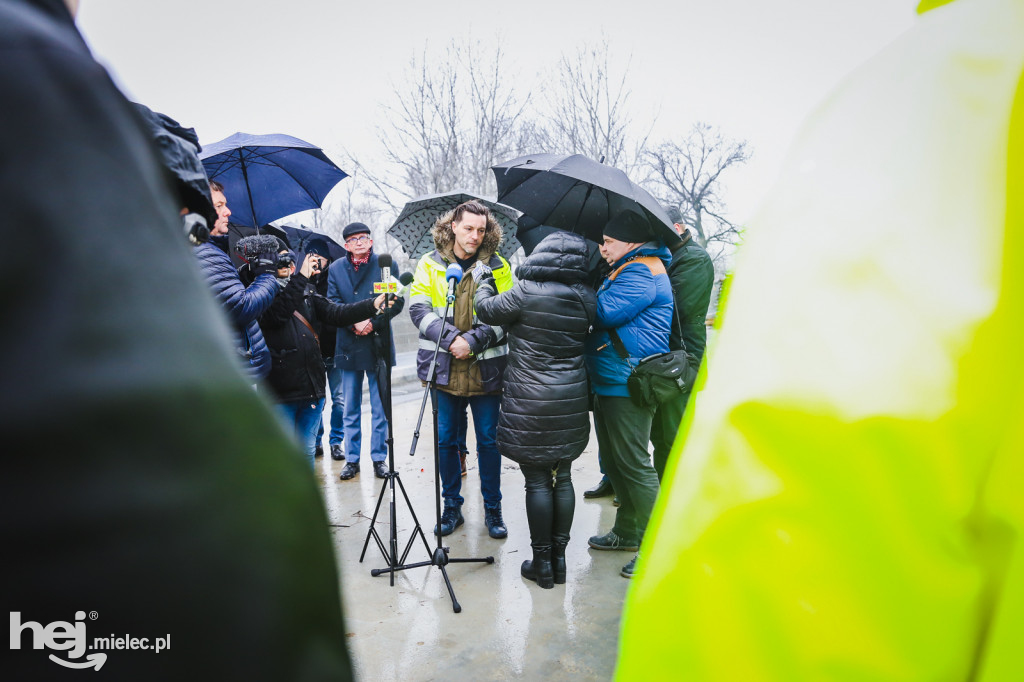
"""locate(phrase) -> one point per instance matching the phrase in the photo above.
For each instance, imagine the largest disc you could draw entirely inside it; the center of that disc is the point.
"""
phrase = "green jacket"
(693, 275)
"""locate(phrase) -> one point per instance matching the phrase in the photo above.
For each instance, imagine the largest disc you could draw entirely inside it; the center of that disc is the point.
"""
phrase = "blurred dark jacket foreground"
(145, 484)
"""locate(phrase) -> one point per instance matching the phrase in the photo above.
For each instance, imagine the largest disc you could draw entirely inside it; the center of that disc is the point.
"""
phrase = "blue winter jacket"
(638, 305)
(243, 304)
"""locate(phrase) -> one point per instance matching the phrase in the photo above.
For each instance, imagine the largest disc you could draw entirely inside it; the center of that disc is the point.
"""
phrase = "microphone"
(454, 275)
(257, 246)
(386, 286)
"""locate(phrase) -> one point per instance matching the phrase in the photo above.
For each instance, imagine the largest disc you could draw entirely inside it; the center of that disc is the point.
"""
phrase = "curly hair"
(444, 237)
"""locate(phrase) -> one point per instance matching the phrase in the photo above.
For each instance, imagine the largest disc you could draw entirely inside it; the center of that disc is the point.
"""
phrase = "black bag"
(657, 378)
(660, 378)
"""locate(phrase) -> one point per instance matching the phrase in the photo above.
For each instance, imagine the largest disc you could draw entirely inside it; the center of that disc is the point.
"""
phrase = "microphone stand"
(439, 557)
(390, 551)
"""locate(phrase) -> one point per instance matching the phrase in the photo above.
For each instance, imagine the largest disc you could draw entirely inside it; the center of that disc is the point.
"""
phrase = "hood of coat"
(444, 238)
(560, 257)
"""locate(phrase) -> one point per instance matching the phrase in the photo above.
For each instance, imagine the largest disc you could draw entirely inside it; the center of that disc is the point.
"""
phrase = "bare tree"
(588, 112)
(688, 175)
(451, 120)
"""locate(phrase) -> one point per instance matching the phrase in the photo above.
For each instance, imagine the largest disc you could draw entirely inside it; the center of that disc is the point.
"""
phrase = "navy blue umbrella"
(267, 177)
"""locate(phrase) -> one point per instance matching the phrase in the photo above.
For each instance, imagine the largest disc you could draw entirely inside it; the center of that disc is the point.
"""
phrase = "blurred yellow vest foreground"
(849, 500)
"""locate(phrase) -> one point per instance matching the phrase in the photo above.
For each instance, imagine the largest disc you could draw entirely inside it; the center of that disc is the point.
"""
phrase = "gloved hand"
(480, 271)
(265, 265)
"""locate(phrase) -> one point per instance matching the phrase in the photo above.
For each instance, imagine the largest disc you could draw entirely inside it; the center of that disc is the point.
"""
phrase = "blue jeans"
(337, 407)
(352, 385)
(302, 417)
(485, 424)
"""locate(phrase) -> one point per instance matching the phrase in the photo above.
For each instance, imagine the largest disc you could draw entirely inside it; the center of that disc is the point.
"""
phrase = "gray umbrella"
(413, 227)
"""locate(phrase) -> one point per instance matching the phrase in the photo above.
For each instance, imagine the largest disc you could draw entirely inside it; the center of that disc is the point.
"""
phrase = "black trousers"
(550, 503)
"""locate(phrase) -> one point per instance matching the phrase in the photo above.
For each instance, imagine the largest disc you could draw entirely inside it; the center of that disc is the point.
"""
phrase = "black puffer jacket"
(548, 312)
(297, 371)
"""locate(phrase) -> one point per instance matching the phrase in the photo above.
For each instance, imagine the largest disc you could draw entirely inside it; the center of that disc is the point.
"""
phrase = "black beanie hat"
(319, 247)
(353, 229)
(628, 226)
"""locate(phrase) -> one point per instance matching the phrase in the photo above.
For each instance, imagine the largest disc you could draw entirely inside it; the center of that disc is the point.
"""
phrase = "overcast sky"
(319, 69)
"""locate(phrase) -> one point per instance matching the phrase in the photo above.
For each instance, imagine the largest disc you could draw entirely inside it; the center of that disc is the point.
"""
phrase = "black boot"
(558, 562)
(539, 570)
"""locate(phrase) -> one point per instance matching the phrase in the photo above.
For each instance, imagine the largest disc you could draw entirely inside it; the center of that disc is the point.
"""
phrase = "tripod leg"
(373, 520)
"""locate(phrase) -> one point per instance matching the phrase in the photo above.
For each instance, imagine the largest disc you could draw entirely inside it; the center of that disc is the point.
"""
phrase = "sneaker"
(612, 541)
(319, 450)
(630, 568)
(495, 525)
(337, 452)
(380, 470)
(602, 489)
(349, 471)
(450, 519)
(462, 461)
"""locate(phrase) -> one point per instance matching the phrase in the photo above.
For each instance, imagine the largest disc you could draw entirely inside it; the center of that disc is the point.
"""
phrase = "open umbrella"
(574, 193)
(413, 225)
(267, 177)
(296, 237)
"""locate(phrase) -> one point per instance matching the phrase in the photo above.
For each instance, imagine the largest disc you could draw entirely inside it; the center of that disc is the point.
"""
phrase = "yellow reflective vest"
(845, 497)
(427, 302)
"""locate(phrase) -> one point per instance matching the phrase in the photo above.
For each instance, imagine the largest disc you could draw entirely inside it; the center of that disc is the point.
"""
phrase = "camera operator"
(244, 304)
(291, 327)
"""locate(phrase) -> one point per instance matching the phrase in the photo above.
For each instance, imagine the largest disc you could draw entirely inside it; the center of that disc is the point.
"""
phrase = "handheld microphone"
(454, 275)
(404, 280)
(386, 285)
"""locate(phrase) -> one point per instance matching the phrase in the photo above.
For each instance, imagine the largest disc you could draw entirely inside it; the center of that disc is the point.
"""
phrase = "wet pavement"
(509, 628)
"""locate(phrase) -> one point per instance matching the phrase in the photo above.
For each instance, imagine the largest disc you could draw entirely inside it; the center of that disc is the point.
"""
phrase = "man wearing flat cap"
(634, 315)
(357, 347)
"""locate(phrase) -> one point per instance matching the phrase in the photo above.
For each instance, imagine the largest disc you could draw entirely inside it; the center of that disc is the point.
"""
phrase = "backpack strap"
(652, 262)
(656, 267)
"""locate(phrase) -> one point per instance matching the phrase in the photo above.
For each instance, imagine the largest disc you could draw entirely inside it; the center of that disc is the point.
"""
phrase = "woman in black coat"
(544, 422)
(291, 327)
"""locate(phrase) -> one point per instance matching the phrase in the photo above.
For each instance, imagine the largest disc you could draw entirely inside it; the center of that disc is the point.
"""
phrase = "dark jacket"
(346, 285)
(328, 332)
(298, 371)
(146, 479)
(243, 304)
(548, 313)
(693, 275)
(638, 305)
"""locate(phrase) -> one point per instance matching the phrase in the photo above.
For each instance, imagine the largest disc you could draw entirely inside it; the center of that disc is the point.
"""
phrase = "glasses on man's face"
(358, 239)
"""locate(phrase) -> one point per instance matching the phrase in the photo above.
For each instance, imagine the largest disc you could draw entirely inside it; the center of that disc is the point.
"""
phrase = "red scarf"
(356, 262)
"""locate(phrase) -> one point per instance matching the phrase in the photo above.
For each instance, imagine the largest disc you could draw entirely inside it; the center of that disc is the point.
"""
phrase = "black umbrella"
(574, 193)
(413, 226)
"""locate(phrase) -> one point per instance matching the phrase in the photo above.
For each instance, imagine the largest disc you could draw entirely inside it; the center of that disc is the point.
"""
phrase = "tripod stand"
(439, 556)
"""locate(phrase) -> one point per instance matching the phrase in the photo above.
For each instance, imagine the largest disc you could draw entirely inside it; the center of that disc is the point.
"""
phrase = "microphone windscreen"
(454, 271)
(257, 245)
(384, 260)
(405, 278)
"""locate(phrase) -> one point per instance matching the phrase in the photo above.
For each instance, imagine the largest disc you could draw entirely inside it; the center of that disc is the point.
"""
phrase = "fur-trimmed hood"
(444, 238)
